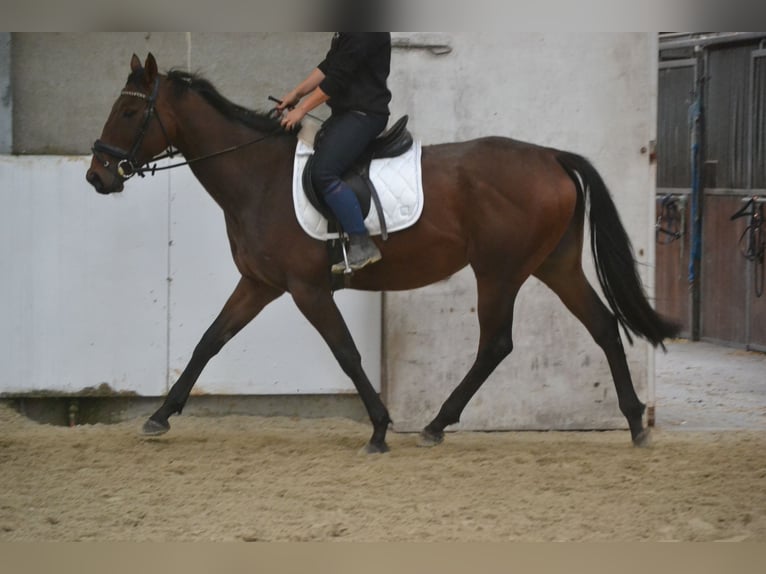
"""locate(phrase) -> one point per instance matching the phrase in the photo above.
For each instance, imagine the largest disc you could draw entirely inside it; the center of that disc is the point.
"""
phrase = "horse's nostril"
(95, 180)
(92, 177)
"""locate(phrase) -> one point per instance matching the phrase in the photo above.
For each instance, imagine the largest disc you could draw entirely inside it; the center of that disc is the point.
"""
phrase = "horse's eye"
(129, 113)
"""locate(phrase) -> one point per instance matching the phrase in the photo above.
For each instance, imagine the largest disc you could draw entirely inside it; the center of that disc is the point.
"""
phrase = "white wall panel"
(83, 291)
(279, 352)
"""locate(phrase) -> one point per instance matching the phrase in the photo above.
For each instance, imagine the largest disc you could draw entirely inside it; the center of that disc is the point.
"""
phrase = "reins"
(169, 154)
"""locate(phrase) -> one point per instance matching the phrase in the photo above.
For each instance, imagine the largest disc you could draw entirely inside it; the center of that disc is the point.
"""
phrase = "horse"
(507, 208)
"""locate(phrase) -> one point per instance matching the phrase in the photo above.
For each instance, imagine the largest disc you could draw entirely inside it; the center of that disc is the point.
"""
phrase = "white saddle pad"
(399, 184)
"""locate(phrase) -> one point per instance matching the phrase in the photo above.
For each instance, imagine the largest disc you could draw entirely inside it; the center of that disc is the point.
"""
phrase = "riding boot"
(361, 251)
(343, 203)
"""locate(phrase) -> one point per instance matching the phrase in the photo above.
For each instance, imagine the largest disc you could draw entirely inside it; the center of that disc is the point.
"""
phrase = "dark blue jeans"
(342, 139)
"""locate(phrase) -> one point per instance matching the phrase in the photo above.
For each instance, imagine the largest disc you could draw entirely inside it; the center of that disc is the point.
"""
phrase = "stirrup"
(346, 269)
(348, 266)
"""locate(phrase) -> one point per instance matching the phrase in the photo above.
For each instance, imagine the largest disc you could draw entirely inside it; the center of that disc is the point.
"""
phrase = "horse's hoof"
(155, 428)
(428, 438)
(643, 439)
(371, 448)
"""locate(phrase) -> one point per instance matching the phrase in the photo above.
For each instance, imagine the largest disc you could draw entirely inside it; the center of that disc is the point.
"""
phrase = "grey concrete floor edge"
(703, 386)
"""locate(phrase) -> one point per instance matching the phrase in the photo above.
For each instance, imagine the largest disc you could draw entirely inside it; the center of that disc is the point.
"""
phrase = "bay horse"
(509, 209)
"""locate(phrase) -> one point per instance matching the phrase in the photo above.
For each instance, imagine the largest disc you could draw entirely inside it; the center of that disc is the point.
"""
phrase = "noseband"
(128, 165)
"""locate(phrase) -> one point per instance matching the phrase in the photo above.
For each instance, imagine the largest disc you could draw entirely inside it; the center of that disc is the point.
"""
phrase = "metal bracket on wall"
(437, 44)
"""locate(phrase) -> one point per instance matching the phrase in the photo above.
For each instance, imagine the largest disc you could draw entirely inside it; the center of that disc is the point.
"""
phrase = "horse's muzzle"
(94, 177)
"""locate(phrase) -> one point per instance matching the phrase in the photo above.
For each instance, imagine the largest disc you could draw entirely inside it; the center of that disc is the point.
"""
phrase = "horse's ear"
(151, 68)
(135, 63)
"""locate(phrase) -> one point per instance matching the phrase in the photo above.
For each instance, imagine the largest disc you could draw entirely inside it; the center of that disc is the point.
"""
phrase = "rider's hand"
(293, 118)
(288, 101)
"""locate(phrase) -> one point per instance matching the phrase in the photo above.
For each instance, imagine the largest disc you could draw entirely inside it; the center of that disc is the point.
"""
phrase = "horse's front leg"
(247, 300)
(318, 306)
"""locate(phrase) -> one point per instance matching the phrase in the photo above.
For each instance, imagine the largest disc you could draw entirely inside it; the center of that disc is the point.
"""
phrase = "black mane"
(257, 120)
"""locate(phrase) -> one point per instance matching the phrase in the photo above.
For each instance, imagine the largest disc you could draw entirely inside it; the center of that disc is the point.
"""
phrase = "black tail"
(613, 256)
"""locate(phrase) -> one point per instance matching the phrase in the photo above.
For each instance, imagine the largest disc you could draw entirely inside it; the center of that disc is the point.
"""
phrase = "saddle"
(394, 142)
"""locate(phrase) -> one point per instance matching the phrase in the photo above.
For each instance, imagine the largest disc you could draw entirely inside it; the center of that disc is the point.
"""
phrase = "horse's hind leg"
(243, 305)
(318, 306)
(495, 310)
(574, 290)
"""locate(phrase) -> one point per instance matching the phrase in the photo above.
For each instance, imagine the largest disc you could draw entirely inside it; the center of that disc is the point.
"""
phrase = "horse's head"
(133, 134)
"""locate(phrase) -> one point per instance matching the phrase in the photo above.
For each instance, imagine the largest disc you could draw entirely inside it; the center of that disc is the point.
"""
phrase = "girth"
(392, 143)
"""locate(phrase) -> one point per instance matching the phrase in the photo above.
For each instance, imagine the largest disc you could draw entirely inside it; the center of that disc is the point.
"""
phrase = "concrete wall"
(123, 287)
(590, 93)
(82, 74)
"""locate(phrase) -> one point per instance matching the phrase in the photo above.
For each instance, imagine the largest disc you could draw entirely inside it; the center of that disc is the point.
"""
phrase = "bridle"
(128, 165)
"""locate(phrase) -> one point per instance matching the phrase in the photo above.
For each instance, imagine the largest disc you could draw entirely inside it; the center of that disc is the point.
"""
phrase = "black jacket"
(356, 71)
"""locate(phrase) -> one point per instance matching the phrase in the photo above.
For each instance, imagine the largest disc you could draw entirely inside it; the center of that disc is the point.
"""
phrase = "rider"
(352, 79)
